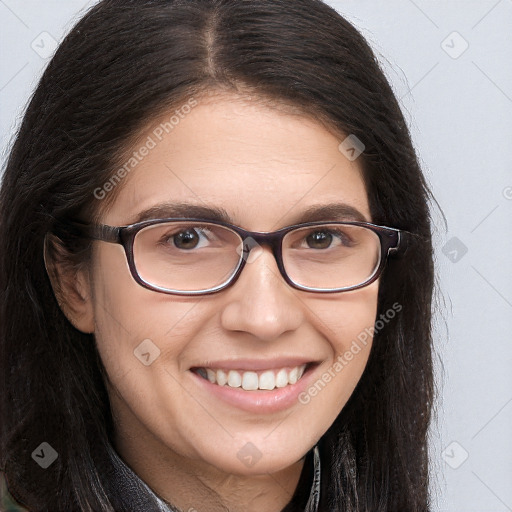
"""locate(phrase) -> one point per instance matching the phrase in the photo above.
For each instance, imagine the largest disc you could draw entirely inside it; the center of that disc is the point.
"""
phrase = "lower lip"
(259, 401)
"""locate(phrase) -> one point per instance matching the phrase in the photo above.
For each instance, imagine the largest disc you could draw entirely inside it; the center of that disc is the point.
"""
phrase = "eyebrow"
(315, 213)
(331, 211)
(183, 210)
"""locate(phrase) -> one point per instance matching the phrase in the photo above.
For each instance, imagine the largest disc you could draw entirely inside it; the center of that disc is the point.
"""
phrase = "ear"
(71, 284)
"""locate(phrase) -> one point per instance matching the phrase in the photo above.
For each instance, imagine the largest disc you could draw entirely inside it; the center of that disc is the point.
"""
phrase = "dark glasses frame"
(390, 240)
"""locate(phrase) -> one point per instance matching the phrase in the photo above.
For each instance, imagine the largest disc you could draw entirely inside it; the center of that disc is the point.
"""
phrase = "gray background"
(449, 63)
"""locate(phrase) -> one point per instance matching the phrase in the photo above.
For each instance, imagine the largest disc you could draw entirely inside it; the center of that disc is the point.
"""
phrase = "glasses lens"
(186, 256)
(331, 256)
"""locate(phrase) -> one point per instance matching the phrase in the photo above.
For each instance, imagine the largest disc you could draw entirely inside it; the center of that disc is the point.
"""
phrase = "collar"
(131, 494)
(314, 494)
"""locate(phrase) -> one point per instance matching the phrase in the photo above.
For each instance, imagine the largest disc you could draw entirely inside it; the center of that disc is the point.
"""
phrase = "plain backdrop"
(449, 63)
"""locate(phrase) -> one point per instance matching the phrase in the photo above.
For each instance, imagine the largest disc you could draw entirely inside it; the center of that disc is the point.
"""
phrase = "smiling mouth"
(253, 380)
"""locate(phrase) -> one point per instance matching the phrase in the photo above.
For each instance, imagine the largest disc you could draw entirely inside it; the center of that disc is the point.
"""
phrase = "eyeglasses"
(196, 256)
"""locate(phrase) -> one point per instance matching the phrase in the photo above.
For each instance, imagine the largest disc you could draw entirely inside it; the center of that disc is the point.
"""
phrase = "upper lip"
(256, 364)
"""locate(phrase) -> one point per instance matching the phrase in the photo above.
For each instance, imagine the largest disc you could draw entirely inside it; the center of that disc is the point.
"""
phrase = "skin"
(265, 167)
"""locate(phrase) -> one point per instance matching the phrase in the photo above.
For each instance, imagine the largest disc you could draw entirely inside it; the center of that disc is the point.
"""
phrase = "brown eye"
(186, 239)
(319, 240)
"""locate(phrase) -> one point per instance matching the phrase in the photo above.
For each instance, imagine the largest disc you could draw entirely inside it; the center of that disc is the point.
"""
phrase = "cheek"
(348, 318)
(136, 327)
(141, 336)
(347, 324)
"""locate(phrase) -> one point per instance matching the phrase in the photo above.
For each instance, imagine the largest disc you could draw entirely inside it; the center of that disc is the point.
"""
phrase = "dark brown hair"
(124, 64)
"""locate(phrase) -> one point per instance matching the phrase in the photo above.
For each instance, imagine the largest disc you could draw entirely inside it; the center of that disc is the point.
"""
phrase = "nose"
(260, 302)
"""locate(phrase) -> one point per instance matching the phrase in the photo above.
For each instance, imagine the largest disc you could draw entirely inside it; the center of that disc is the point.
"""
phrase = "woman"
(162, 351)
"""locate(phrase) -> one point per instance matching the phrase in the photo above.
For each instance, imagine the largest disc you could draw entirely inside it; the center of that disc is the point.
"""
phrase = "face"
(265, 168)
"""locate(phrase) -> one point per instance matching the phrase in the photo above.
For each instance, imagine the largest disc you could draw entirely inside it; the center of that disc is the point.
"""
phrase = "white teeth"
(211, 375)
(250, 380)
(281, 379)
(222, 378)
(293, 376)
(267, 380)
(234, 379)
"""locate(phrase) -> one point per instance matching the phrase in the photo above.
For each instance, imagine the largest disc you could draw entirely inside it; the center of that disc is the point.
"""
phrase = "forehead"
(262, 167)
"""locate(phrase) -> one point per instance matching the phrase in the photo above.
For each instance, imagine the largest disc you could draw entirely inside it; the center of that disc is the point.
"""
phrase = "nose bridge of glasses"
(253, 244)
(255, 240)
